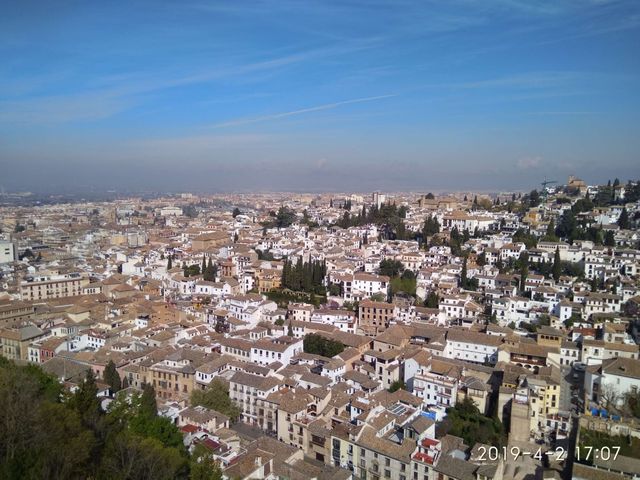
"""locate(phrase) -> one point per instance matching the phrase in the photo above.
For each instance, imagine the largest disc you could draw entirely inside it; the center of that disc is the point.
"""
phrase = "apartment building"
(472, 346)
(529, 355)
(237, 348)
(437, 383)
(246, 390)
(8, 252)
(174, 376)
(364, 285)
(374, 317)
(43, 287)
(15, 313)
(602, 303)
(269, 350)
(300, 312)
(14, 343)
(594, 352)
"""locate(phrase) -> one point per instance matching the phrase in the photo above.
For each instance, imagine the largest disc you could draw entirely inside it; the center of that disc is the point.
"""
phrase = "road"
(566, 391)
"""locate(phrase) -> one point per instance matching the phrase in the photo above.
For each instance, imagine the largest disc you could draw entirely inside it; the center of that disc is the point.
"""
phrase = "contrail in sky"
(317, 108)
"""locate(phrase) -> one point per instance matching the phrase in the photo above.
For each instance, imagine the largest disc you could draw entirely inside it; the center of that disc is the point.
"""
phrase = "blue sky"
(305, 95)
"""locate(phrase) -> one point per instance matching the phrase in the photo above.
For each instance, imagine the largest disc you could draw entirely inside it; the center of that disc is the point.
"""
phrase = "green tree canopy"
(216, 397)
(203, 465)
(319, 345)
(465, 421)
(390, 268)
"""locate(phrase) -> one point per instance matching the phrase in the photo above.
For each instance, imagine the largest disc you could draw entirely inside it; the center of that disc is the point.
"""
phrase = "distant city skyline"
(318, 96)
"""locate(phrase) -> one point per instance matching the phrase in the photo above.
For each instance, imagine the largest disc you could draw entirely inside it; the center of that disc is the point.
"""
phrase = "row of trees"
(304, 276)
(46, 432)
(284, 297)
(388, 214)
(209, 270)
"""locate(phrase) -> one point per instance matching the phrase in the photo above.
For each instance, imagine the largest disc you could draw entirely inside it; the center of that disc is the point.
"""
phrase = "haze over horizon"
(312, 96)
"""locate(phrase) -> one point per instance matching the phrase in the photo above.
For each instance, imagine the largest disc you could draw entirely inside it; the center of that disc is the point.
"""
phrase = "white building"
(8, 252)
(609, 383)
(344, 320)
(472, 346)
(170, 212)
(269, 350)
(437, 384)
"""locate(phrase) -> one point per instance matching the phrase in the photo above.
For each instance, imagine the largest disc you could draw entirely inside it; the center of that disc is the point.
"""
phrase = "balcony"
(317, 441)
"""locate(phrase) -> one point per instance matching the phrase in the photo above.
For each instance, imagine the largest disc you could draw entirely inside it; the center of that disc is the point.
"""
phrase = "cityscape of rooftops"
(320, 240)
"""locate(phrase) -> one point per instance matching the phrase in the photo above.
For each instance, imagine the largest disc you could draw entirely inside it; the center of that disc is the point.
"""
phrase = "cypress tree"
(213, 269)
(299, 274)
(170, 262)
(463, 274)
(551, 229)
(285, 274)
(203, 267)
(148, 405)
(609, 239)
(623, 221)
(557, 266)
(524, 269)
(111, 377)
(85, 400)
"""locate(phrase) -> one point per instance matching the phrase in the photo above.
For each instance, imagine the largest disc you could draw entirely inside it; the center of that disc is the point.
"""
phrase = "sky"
(304, 95)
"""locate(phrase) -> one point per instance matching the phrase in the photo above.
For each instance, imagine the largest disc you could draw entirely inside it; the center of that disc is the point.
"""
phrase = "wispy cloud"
(524, 80)
(317, 108)
(121, 92)
(63, 108)
(528, 163)
(563, 113)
